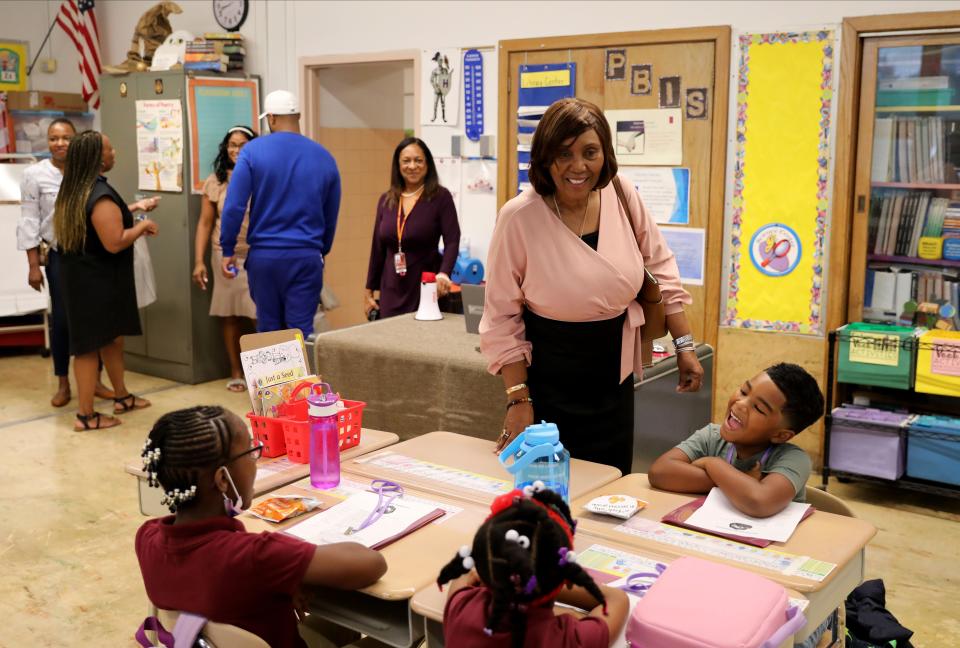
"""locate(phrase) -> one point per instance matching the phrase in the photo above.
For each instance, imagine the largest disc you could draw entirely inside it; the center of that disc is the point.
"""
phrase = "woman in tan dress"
(231, 300)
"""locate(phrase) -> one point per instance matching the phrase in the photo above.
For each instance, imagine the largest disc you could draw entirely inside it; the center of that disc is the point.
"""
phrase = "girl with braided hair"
(202, 560)
(505, 585)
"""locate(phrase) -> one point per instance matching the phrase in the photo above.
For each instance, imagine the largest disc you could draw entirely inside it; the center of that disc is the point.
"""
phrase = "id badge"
(400, 263)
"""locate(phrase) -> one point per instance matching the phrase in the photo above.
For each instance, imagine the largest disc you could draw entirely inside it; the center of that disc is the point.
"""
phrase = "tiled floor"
(68, 515)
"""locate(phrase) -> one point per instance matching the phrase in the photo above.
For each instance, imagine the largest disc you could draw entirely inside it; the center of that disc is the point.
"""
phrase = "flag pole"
(40, 49)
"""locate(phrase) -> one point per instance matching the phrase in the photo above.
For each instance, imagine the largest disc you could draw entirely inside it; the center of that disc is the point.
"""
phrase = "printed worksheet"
(719, 515)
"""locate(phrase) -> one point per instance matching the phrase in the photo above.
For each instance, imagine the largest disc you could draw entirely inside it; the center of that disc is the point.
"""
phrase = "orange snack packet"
(284, 507)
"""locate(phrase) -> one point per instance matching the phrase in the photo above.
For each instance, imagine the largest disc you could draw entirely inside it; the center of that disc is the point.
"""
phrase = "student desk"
(430, 601)
(413, 562)
(823, 536)
(272, 473)
(437, 462)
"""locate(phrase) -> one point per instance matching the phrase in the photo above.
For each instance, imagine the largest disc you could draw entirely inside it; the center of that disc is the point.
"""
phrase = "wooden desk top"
(473, 455)
(823, 536)
(274, 472)
(414, 561)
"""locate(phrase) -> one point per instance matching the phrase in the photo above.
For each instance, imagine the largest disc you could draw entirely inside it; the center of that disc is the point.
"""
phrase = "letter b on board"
(641, 79)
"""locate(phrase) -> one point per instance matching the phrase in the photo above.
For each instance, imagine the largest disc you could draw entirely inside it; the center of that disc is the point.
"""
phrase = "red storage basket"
(268, 431)
(296, 427)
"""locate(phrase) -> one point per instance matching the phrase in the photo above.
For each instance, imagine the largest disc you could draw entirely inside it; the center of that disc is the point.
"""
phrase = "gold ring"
(504, 434)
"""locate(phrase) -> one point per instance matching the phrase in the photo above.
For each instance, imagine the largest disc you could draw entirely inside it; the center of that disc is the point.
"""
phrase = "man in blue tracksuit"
(293, 188)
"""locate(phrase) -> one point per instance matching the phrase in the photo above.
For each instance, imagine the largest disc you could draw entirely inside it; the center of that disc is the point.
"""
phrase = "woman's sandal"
(237, 385)
(100, 424)
(128, 403)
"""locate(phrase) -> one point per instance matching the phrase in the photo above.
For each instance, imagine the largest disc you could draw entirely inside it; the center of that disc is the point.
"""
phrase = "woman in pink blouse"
(561, 324)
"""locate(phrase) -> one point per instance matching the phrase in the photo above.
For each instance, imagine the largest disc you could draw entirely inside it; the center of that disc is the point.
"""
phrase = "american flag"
(77, 19)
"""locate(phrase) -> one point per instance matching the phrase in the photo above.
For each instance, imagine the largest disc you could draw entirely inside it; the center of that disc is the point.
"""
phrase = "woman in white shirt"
(41, 183)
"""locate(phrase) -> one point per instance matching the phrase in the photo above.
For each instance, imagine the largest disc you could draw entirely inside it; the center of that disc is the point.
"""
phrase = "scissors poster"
(781, 182)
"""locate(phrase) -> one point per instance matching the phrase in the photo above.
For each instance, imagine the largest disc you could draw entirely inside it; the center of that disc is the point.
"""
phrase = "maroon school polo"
(216, 569)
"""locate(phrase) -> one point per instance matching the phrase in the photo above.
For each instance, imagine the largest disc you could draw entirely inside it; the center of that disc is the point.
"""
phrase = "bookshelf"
(911, 109)
(883, 258)
(907, 178)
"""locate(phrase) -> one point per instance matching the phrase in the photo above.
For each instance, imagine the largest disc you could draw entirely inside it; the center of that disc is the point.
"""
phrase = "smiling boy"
(748, 455)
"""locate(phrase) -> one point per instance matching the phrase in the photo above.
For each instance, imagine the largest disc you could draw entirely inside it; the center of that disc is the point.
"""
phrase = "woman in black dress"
(412, 216)
(95, 234)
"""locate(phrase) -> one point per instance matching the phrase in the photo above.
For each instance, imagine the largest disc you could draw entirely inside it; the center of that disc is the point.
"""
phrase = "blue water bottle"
(538, 455)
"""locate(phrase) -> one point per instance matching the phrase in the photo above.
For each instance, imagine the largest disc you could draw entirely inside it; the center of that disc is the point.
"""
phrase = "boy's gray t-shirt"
(785, 459)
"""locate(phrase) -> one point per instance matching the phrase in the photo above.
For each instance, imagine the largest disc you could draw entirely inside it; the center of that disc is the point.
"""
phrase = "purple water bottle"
(324, 437)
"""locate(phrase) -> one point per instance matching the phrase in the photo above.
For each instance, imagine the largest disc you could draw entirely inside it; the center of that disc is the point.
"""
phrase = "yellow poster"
(875, 348)
(781, 175)
(13, 66)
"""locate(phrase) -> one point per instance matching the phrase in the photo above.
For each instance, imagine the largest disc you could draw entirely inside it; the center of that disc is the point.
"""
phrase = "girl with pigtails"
(504, 586)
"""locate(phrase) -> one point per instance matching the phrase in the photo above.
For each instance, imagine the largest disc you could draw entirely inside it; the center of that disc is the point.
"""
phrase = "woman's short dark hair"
(566, 120)
(64, 121)
(431, 182)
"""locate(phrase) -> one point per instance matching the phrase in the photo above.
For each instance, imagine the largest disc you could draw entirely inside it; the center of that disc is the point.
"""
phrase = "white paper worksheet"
(719, 515)
(337, 523)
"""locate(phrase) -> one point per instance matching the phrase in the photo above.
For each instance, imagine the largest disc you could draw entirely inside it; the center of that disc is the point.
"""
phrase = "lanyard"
(638, 583)
(763, 458)
(381, 487)
(403, 225)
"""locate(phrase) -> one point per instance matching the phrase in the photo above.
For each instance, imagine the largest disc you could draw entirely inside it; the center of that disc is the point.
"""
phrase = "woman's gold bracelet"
(515, 388)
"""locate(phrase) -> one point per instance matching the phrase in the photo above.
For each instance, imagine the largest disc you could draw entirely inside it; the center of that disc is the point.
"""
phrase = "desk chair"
(829, 503)
(824, 501)
(220, 635)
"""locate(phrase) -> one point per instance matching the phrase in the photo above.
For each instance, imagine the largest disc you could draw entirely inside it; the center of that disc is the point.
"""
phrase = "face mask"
(230, 508)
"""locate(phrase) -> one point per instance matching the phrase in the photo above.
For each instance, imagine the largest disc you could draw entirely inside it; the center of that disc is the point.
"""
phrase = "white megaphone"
(429, 310)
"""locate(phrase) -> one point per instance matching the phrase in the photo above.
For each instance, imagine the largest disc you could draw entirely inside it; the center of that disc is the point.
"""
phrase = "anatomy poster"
(160, 145)
(440, 76)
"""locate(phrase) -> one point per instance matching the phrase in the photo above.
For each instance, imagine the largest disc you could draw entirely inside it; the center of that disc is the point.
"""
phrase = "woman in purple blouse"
(412, 217)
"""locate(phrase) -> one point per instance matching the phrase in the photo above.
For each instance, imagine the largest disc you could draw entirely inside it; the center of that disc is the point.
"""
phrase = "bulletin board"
(781, 182)
(214, 104)
(13, 65)
(680, 70)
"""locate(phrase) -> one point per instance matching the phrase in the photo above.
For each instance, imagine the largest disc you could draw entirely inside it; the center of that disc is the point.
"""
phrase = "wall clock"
(231, 14)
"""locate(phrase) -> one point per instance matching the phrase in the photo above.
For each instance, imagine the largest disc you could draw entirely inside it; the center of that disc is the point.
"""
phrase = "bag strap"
(184, 634)
(152, 624)
(622, 198)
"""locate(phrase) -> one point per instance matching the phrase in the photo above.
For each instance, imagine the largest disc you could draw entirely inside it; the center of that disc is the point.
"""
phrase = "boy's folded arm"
(673, 471)
(758, 498)
(345, 565)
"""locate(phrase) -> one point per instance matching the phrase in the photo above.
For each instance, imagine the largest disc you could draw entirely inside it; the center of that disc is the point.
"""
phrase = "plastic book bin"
(296, 428)
(938, 363)
(932, 458)
(876, 354)
(868, 441)
(268, 431)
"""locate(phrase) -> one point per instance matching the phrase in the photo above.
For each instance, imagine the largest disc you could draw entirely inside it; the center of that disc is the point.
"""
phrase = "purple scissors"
(386, 491)
(638, 583)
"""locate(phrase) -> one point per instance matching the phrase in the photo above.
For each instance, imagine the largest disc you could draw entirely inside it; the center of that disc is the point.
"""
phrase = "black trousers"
(59, 333)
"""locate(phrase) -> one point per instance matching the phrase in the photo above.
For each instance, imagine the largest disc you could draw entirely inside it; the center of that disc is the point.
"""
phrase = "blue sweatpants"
(285, 286)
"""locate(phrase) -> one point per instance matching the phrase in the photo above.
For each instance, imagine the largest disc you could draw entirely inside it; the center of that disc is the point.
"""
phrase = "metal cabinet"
(180, 340)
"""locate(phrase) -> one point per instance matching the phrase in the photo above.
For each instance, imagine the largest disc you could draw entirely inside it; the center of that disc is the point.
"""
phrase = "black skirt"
(574, 382)
(97, 286)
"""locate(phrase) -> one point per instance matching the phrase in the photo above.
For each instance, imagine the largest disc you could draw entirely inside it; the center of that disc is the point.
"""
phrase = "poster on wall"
(540, 86)
(688, 245)
(213, 106)
(665, 191)
(13, 65)
(650, 136)
(785, 88)
(160, 145)
(440, 87)
(449, 172)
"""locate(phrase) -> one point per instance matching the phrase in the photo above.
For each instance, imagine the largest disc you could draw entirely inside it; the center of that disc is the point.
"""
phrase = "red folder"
(678, 517)
(416, 524)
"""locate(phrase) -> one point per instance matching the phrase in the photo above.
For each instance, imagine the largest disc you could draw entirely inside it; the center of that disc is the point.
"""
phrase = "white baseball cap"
(280, 102)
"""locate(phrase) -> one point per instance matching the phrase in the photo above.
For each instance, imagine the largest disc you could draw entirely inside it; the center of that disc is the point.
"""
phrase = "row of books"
(887, 290)
(915, 91)
(913, 149)
(898, 219)
(215, 52)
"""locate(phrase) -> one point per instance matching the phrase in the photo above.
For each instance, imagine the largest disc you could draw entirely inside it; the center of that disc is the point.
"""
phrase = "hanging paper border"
(772, 98)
